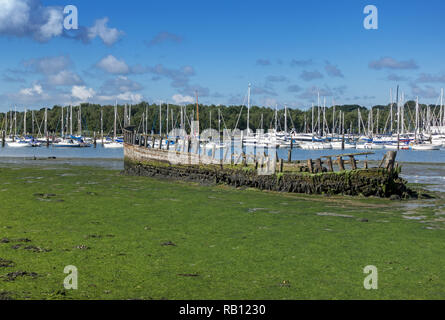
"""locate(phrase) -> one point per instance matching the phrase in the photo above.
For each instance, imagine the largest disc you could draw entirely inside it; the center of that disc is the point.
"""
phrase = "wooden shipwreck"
(161, 157)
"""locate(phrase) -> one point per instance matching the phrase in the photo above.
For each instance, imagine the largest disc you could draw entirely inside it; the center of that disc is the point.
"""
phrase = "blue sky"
(165, 50)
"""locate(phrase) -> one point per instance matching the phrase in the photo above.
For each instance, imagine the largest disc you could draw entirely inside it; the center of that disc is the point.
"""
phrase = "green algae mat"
(142, 238)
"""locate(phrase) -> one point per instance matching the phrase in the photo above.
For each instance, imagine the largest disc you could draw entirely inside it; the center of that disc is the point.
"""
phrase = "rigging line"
(239, 117)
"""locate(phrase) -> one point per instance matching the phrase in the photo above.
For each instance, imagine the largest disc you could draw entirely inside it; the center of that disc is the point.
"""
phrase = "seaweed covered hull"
(366, 182)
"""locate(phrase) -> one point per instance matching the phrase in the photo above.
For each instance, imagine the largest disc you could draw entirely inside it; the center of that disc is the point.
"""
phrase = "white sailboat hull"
(113, 145)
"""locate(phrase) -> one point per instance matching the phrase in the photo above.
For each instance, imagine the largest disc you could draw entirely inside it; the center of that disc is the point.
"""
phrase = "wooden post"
(95, 142)
(390, 160)
(383, 160)
(309, 164)
(3, 138)
(318, 165)
(281, 165)
(168, 143)
(330, 166)
(353, 163)
(160, 142)
(289, 153)
(366, 164)
(341, 163)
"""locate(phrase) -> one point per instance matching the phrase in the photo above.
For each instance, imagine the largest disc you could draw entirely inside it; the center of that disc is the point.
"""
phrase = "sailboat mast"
(46, 122)
(15, 121)
(61, 133)
(417, 118)
(318, 108)
(313, 128)
(115, 121)
(219, 122)
(197, 112)
(167, 119)
(32, 122)
(24, 123)
(390, 111)
(160, 118)
(80, 120)
(71, 120)
(101, 123)
(285, 119)
(248, 109)
(441, 114)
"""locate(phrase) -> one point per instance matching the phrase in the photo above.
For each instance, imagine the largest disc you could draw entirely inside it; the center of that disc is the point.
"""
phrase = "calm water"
(427, 167)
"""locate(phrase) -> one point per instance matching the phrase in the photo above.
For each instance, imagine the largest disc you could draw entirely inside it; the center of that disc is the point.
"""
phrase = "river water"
(426, 167)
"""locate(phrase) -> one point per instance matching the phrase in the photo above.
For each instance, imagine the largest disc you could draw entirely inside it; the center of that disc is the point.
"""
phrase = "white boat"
(372, 146)
(393, 146)
(18, 144)
(425, 147)
(69, 143)
(113, 145)
(315, 146)
(337, 145)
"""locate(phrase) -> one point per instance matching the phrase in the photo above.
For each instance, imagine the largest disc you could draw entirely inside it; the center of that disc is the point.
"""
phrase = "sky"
(289, 51)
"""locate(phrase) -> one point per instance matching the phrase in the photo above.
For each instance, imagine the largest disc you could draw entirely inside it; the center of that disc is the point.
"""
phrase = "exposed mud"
(168, 243)
(6, 263)
(12, 276)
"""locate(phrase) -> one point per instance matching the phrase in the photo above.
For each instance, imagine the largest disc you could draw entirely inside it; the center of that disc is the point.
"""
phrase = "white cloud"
(53, 26)
(14, 16)
(130, 96)
(120, 84)
(29, 18)
(82, 93)
(391, 63)
(108, 35)
(112, 65)
(34, 90)
(64, 78)
(179, 98)
(48, 65)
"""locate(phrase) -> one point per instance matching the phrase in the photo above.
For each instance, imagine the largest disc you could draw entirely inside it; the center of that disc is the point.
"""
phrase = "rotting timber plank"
(341, 163)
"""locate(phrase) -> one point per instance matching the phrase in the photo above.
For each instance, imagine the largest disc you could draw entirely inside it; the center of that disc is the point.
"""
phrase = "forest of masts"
(88, 119)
